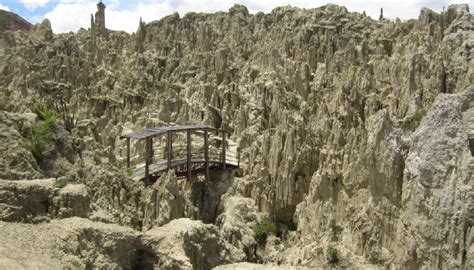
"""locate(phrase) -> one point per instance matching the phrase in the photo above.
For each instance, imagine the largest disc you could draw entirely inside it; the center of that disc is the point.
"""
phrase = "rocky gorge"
(356, 139)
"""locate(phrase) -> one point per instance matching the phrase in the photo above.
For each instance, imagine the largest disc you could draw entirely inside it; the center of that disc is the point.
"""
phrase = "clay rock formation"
(165, 202)
(437, 202)
(43, 30)
(39, 200)
(188, 244)
(354, 133)
(16, 162)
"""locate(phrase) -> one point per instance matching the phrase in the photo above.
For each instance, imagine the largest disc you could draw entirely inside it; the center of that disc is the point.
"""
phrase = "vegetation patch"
(61, 182)
(136, 227)
(336, 229)
(246, 55)
(332, 255)
(238, 173)
(73, 264)
(128, 172)
(263, 229)
(414, 121)
(41, 133)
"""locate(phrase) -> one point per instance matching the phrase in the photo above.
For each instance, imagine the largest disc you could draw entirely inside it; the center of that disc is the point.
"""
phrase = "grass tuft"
(128, 172)
(61, 182)
(42, 131)
(332, 255)
(263, 229)
(414, 121)
(246, 55)
(136, 227)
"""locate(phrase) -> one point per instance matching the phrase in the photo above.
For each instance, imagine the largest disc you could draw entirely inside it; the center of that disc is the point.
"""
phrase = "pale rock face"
(254, 266)
(238, 217)
(100, 245)
(38, 200)
(188, 244)
(437, 199)
(16, 162)
(43, 30)
(164, 202)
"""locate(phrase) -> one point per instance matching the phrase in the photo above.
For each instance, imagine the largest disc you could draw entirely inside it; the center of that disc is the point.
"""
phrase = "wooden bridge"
(214, 152)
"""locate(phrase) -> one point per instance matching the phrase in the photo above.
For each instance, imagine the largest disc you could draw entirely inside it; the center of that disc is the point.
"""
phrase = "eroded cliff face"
(326, 106)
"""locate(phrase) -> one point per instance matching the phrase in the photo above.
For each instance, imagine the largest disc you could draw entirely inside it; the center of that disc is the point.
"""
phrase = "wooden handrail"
(215, 149)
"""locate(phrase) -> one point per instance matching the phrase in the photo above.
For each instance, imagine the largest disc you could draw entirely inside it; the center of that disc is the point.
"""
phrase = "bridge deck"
(162, 166)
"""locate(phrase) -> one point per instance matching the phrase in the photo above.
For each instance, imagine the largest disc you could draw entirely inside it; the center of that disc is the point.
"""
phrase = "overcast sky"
(70, 15)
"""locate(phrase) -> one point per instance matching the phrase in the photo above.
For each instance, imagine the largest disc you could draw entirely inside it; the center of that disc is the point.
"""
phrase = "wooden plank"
(206, 153)
(162, 166)
(138, 172)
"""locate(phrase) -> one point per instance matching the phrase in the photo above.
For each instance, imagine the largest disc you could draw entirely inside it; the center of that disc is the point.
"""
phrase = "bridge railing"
(197, 153)
(174, 146)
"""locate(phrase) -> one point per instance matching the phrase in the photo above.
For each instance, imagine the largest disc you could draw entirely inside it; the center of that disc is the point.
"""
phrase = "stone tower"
(100, 18)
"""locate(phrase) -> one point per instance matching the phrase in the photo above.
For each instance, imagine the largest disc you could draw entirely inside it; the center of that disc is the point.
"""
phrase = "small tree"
(42, 131)
(263, 229)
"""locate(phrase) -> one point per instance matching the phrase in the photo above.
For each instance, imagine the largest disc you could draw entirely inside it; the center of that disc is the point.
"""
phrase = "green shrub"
(128, 172)
(42, 131)
(73, 263)
(61, 182)
(136, 227)
(246, 55)
(333, 225)
(263, 229)
(336, 229)
(332, 255)
(414, 121)
(46, 113)
(238, 173)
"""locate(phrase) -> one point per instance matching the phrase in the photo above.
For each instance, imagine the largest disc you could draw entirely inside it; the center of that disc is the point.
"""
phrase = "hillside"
(10, 21)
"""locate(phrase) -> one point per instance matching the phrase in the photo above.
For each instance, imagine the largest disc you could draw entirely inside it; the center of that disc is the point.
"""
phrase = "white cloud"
(67, 17)
(70, 15)
(34, 4)
(4, 7)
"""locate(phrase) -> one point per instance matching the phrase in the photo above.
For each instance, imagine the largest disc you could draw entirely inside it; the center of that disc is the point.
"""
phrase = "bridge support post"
(147, 160)
(223, 149)
(128, 152)
(206, 153)
(170, 148)
(238, 157)
(151, 150)
(188, 153)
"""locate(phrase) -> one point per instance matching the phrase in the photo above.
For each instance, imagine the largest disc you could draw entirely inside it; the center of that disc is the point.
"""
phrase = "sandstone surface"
(356, 135)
